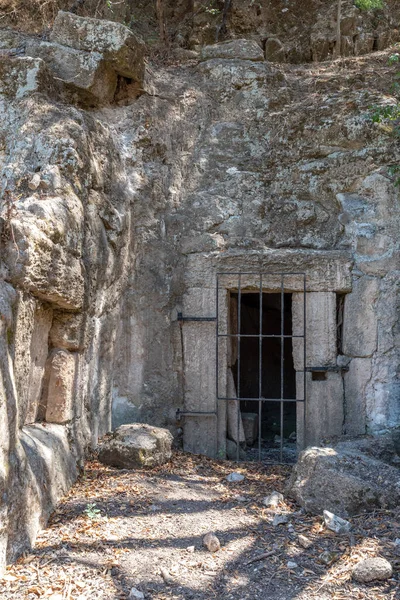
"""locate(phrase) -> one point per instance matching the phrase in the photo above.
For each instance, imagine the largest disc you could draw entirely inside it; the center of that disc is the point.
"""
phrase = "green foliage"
(369, 4)
(91, 511)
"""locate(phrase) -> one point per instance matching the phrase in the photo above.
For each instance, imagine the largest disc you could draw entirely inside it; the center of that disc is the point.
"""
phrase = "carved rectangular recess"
(254, 352)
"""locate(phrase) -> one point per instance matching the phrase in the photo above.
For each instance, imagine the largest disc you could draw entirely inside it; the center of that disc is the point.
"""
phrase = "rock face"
(343, 481)
(115, 219)
(119, 47)
(235, 49)
(137, 446)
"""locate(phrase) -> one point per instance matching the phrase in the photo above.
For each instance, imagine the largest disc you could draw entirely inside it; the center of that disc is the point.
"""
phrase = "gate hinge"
(182, 318)
(189, 413)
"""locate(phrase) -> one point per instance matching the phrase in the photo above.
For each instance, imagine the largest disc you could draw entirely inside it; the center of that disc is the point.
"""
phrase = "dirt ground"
(120, 529)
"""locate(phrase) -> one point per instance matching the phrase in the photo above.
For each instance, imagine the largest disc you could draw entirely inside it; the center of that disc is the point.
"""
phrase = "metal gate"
(230, 290)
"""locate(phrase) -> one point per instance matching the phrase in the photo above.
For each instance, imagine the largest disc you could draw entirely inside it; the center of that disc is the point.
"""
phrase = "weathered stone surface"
(233, 49)
(324, 408)
(372, 569)
(320, 329)
(49, 465)
(250, 427)
(87, 73)
(274, 50)
(355, 384)
(137, 446)
(360, 318)
(69, 331)
(61, 390)
(231, 451)
(343, 482)
(120, 47)
(24, 76)
(211, 542)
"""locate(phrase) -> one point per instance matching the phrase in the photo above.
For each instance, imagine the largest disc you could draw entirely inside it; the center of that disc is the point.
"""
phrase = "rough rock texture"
(372, 569)
(235, 49)
(343, 481)
(115, 220)
(137, 446)
(120, 48)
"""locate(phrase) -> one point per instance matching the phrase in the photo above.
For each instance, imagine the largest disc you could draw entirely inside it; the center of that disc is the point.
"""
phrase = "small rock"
(190, 549)
(335, 523)
(397, 542)
(240, 498)
(280, 520)
(273, 499)
(234, 477)
(304, 541)
(166, 576)
(327, 558)
(211, 542)
(372, 569)
(134, 593)
(34, 182)
(277, 439)
(292, 565)
(293, 436)
(290, 528)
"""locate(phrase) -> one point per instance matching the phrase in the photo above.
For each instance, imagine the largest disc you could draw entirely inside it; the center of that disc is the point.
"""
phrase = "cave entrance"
(262, 384)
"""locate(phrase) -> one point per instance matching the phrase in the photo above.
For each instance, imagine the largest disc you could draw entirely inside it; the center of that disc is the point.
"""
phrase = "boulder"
(121, 49)
(86, 73)
(343, 482)
(231, 451)
(137, 446)
(372, 569)
(233, 49)
(250, 427)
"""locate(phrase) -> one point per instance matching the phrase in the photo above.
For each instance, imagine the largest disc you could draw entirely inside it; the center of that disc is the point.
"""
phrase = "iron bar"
(260, 368)
(238, 368)
(256, 399)
(282, 359)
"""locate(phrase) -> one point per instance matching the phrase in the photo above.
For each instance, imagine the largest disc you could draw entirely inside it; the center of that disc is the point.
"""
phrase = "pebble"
(34, 182)
(166, 576)
(273, 499)
(190, 549)
(335, 523)
(292, 565)
(211, 542)
(240, 498)
(280, 520)
(290, 528)
(327, 558)
(135, 594)
(372, 569)
(234, 477)
(304, 541)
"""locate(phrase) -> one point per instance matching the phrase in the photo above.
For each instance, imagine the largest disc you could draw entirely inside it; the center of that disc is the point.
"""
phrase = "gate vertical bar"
(260, 368)
(304, 360)
(238, 371)
(282, 359)
(217, 405)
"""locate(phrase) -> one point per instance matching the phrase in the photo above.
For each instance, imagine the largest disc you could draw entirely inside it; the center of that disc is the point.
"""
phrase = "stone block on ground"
(120, 47)
(233, 49)
(250, 427)
(372, 569)
(86, 73)
(343, 481)
(231, 451)
(137, 446)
